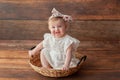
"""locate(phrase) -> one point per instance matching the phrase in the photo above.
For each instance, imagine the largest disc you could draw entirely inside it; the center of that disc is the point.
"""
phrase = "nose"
(56, 28)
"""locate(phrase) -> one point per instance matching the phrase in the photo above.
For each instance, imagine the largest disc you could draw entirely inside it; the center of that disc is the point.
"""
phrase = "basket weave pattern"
(36, 65)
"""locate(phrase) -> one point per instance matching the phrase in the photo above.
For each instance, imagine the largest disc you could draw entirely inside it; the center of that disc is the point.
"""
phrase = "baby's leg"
(44, 62)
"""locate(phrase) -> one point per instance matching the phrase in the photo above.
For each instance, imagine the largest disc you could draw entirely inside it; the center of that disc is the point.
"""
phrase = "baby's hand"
(65, 67)
(30, 53)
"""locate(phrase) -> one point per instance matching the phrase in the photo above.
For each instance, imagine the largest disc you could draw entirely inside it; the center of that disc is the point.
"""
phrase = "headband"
(56, 13)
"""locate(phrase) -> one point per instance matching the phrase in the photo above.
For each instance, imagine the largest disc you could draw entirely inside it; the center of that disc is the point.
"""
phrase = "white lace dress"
(55, 50)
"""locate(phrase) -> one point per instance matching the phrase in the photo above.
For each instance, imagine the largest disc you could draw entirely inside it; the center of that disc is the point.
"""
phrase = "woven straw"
(36, 65)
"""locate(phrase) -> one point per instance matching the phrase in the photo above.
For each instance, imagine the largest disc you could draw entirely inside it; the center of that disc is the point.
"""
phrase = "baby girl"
(58, 48)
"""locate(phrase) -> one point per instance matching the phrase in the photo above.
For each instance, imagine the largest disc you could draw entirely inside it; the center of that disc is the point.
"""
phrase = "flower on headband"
(56, 13)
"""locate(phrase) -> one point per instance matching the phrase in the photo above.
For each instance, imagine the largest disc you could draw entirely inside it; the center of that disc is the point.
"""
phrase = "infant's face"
(57, 29)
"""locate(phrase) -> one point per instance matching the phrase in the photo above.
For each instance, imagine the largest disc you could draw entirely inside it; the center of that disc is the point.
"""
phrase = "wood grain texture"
(79, 9)
(17, 29)
(95, 59)
(18, 74)
(14, 63)
(96, 24)
(84, 45)
(14, 55)
(83, 30)
(16, 59)
(107, 60)
(99, 65)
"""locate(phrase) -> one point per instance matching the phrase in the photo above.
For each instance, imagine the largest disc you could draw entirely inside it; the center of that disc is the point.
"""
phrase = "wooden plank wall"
(96, 22)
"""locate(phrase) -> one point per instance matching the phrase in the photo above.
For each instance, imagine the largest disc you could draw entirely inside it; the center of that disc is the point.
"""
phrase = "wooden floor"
(100, 65)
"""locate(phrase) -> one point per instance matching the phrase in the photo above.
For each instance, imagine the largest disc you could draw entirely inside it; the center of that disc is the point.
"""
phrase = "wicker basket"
(36, 65)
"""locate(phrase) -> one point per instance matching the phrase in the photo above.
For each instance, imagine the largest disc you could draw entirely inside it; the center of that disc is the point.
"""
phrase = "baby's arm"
(68, 58)
(36, 49)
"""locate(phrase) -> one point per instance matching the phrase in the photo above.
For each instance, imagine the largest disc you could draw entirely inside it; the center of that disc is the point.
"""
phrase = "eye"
(53, 26)
(59, 26)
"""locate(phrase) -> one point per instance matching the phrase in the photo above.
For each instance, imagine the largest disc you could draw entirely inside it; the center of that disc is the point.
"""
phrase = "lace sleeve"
(46, 40)
(76, 44)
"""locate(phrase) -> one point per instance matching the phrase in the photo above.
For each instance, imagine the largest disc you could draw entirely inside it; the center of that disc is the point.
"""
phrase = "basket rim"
(51, 69)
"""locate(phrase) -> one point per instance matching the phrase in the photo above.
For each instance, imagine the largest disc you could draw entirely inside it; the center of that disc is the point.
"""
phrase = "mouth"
(57, 32)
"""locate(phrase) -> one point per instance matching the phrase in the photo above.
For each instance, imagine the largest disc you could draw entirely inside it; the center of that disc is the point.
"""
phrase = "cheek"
(63, 30)
(52, 31)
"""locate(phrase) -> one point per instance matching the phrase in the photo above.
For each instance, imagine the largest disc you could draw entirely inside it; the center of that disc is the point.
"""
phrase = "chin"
(57, 36)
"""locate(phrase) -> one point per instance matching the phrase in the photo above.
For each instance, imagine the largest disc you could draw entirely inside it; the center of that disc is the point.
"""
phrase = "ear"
(49, 27)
